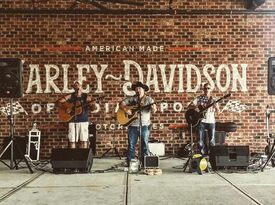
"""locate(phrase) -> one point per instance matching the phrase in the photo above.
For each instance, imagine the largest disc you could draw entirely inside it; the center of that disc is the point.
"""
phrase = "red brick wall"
(195, 32)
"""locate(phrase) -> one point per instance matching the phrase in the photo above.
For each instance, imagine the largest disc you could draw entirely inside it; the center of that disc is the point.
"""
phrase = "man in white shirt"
(208, 121)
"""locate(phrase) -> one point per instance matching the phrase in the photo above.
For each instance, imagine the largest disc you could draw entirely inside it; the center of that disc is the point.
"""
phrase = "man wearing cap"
(140, 99)
(208, 121)
(79, 123)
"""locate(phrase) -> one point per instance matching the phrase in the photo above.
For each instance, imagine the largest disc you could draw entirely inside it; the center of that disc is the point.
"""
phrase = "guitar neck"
(211, 104)
(143, 107)
(88, 102)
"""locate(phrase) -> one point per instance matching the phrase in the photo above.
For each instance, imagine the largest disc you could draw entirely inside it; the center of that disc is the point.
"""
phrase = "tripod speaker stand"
(114, 148)
(11, 87)
(13, 142)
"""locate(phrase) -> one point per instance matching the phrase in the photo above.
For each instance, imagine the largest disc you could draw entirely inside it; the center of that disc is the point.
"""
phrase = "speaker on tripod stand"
(11, 87)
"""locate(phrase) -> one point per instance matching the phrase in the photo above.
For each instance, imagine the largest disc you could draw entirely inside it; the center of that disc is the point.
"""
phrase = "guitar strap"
(142, 100)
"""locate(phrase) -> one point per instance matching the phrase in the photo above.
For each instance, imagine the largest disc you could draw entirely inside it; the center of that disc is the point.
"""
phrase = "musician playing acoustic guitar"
(147, 105)
(207, 123)
(73, 108)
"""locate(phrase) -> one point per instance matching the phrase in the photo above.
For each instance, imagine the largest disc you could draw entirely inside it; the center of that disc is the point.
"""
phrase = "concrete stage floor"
(111, 184)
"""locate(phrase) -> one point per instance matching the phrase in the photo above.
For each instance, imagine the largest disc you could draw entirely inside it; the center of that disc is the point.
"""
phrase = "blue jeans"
(133, 134)
(202, 128)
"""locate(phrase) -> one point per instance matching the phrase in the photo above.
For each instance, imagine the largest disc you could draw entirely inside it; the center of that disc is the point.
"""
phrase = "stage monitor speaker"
(11, 78)
(271, 76)
(229, 156)
(65, 158)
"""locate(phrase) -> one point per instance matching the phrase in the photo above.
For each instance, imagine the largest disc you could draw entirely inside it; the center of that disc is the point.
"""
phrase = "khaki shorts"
(78, 131)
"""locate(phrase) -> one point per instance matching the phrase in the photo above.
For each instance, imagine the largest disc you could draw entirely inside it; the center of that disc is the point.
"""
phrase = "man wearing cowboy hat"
(79, 123)
(140, 99)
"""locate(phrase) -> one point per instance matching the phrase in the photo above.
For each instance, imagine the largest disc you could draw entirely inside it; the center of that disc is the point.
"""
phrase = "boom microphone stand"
(13, 142)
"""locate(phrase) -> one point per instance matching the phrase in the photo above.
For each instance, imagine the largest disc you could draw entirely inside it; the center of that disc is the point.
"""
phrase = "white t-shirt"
(145, 113)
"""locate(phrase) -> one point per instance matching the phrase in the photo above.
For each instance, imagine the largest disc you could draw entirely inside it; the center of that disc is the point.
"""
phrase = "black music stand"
(188, 162)
(271, 154)
(114, 148)
(12, 142)
(271, 151)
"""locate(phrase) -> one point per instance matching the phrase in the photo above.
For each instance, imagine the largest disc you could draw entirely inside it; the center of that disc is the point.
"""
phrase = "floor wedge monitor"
(68, 160)
(224, 156)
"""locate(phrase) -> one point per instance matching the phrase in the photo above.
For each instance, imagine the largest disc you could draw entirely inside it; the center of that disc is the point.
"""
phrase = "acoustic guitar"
(194, 117)
(124, 118)
(67, 110)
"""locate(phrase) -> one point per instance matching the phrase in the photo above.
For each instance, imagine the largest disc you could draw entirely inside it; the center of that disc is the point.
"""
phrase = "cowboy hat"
(141, 85)
(77, 81)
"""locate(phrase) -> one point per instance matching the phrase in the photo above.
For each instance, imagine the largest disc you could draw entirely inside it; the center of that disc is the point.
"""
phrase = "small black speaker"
(11, 78)
(271, 76)
(65, 158)
(229, 156)
(151, 162)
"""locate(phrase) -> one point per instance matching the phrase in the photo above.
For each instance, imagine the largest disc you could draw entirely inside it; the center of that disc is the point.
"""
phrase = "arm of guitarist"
(154, 108)
(91, 102)
(216, 107)
(62, 100)
(192, 105)
(123, 106)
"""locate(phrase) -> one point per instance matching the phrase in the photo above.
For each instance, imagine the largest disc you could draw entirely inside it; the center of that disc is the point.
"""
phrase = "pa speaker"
(11, 78)
(253, 4)
(229, 156)
(271, 76)
(65, 158)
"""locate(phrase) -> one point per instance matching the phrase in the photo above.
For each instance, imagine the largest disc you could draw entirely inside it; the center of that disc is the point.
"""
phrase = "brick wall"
(222, 35)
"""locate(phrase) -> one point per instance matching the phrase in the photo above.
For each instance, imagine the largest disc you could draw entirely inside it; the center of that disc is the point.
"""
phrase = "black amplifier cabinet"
(229, 156)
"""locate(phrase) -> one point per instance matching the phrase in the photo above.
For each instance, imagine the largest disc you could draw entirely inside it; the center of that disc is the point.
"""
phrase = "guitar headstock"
(100, 97)
(227, 95)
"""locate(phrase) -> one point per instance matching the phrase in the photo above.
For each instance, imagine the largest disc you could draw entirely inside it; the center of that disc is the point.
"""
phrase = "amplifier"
(151, 162)
(157, 148)
(229, 156)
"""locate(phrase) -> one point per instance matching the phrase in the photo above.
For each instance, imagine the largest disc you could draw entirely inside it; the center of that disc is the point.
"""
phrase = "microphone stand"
(113, 147)
(140, 131)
